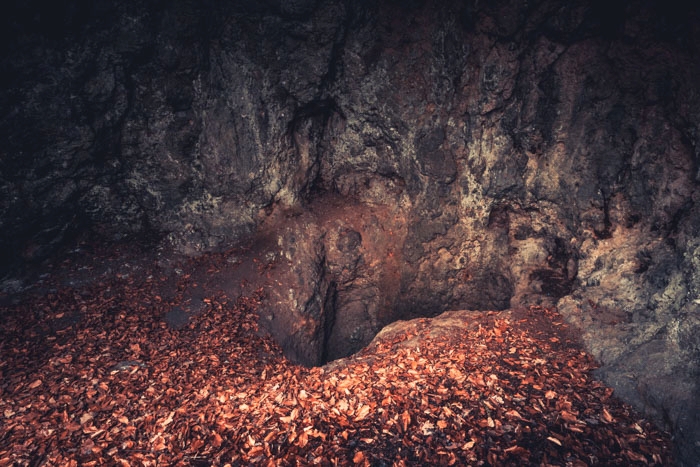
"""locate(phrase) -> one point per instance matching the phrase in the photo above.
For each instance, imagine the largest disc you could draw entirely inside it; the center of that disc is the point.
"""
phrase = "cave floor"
(93, 373)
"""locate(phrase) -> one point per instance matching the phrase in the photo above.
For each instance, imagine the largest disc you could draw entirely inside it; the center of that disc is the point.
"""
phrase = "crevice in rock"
(329, 305)
(350, 275)
(605, 231)
(308, 129)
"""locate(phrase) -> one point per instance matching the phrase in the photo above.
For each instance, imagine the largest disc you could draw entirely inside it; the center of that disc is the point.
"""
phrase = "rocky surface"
(388, 159)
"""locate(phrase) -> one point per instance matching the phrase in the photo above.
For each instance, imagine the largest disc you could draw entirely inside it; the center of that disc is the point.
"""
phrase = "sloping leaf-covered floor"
(94, 376)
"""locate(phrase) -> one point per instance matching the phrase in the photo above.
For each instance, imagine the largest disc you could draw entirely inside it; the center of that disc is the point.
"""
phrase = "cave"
(345, 168)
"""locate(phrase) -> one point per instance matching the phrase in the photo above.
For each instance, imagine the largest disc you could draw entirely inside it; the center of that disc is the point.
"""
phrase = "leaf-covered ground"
(93, 375)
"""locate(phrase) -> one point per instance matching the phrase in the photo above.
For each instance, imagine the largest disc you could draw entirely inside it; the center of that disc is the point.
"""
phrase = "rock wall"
(403, 158)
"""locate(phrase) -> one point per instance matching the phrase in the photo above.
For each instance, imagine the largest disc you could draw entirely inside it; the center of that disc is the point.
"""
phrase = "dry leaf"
(554, 440)
(444, 398)
(303, 439)
(362, 412)
(606, 416)
(513, 414)
(35, 384)
(158, 443)
(567, 416)
(358, 458)
(468, 445)
(405, 420)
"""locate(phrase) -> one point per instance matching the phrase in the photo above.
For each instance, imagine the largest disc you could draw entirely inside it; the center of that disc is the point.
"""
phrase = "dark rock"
(479, 155)
(179, 316)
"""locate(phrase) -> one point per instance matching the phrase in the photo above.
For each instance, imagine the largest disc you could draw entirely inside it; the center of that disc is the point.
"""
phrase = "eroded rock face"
(335, 277)
(462, 156)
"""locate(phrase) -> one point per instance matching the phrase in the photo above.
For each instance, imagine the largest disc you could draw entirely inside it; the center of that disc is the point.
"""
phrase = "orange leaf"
(158, 443)
(606, 416)
(36, 384)
(456, 375)
(292, 416)
(358, 457)
(405, 420)
(554, 440)
(362, 413)
(477, 379)
(196, 444)
(468, 445)
(513, 413)
(303, 439)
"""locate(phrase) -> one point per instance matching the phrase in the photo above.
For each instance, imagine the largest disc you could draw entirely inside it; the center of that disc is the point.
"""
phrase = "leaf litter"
(116, 386)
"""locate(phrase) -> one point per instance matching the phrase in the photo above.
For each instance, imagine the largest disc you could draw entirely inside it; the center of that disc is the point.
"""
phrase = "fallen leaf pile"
(94, 376)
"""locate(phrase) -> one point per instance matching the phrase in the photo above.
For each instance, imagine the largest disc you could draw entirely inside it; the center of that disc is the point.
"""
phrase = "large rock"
(511, 154)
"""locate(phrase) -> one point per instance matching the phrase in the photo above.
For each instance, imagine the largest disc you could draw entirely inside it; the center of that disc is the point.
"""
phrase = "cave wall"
(493, 155)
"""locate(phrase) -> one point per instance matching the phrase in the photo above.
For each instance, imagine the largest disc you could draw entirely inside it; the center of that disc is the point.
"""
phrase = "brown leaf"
(292, 416)
(513, 414)
(303, 439)
(358, 458)
(468, 445)
(216, 440)
(405, 420)
(36, 384)
(606, 416)
(456, 375)
(554, 440)
(568, 416)
(362, 413)
(636, 457)
(158, 443)
(251, 441)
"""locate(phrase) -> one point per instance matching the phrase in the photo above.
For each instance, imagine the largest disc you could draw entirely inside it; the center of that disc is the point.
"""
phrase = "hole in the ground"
(338, 271)
(352, 320)
(340, 319)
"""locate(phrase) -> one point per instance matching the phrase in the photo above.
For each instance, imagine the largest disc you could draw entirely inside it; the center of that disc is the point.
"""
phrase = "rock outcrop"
(399, 158)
